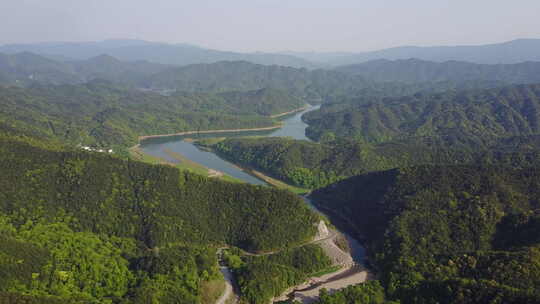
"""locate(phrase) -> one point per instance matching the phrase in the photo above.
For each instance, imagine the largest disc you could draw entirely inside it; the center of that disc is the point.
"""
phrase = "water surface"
(293, 126)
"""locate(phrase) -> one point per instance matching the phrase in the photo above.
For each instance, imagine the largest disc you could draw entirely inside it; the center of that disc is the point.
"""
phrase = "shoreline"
(142, 138)
(277, 126)
(290, 112)
(350, 273)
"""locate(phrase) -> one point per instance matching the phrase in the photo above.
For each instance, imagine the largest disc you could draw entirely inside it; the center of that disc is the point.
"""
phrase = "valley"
(350, 271)
(136, 172)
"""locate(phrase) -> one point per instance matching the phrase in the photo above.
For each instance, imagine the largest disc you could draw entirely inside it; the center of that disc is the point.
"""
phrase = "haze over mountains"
(429, 156)
(183, 54)
(514, 51)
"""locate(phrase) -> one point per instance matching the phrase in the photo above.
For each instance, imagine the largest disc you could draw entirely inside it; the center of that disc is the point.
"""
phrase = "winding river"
(293, 126)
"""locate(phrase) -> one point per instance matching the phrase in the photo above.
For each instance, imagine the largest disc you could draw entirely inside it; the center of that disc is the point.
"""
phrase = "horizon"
(273, 26)
(285, 51)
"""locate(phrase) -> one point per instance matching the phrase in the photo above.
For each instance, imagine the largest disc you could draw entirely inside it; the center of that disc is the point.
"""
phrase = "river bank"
(254, 172)
(348, 269)
(290, 112)
(348, 273)
(269, 128)
(145, 137)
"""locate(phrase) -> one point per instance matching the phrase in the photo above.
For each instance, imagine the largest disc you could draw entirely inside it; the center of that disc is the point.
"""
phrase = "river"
(293, 126)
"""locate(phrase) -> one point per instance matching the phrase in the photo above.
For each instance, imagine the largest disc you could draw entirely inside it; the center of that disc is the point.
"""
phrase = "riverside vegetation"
(87, 227)
(456, 222)
(103, 114)
(497, 126)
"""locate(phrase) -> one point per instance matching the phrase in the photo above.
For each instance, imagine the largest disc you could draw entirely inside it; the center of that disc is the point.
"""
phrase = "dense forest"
(370, 292)
(433, 165)
(94, 228)
(104, 114)
(313, 165)
(447, 234)
(260, 278)
(316, 86)
(476, 115)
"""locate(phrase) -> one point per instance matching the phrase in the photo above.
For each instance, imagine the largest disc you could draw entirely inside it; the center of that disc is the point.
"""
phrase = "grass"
(277, 183)
(183, 163)
(186, 164)
(212, 290)
(137, 154)
(327, 270)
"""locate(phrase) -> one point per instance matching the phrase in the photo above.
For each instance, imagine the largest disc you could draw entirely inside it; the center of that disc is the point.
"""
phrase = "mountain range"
(136, 50)
(416, 70)
(514, 51)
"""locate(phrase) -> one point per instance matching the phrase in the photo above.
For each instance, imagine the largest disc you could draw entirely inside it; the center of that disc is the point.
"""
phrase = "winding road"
(229, 290)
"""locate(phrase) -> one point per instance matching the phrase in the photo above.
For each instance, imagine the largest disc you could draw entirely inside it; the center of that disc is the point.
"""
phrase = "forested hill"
(465, 116)
(415, 70)
(316, 86)
(240, 75)
(103, 114)
(265, 101)
(87, 227)
(24, 69)
(313, 165)
(447, 234)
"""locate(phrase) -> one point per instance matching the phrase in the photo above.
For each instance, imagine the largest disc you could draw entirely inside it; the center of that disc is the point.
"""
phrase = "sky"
(278, 25)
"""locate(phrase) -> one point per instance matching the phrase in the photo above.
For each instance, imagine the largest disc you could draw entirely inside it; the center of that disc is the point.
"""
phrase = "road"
(229, 291)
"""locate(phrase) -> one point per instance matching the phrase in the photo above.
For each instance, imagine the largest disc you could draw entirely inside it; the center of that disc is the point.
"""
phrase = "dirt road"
(228, 293)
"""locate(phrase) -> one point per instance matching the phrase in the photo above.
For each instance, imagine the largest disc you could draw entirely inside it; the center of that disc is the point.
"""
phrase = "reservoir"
(293, 127)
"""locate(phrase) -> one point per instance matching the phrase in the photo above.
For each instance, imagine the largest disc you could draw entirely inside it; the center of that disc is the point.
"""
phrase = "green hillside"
(103, 114)
(87, 227)
(447, 234)
(478, 116)
(313, 165)
(418, 71)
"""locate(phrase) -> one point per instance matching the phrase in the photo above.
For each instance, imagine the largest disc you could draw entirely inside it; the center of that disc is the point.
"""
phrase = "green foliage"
(103, 114)
(313, 165)
(262, 277)
(452, 117)
(300, 163)
(81, 263)
(91, 227)
(447, 233)
(370, 292)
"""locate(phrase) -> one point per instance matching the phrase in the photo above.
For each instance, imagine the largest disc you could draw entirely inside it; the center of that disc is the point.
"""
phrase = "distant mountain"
(27, 68)
(112, 69)
(514, 51)
(323, 57)
(415, 70)
(135, 50)
(313, 85)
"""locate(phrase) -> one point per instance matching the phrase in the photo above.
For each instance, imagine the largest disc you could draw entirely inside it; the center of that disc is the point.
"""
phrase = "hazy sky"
(264, 25)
